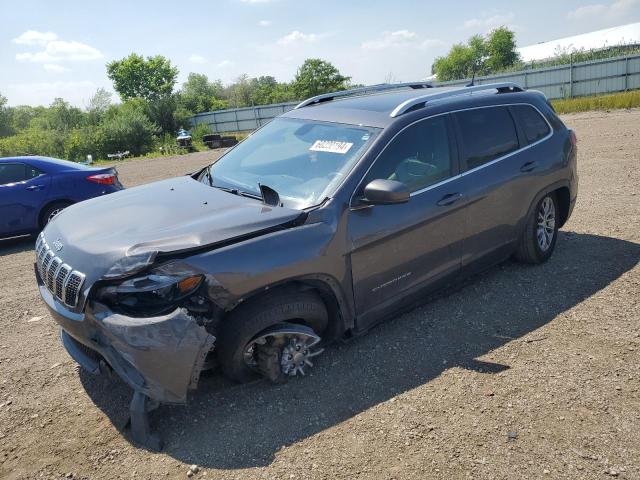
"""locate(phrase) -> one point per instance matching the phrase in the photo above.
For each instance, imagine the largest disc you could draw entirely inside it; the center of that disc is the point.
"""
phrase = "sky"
(59, 48)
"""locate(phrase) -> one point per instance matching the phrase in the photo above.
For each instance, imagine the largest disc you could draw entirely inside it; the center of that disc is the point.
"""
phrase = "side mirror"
(385, 192)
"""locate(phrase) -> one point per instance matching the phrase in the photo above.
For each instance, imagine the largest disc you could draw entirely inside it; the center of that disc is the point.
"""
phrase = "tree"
(135, 76)
(100, 101)
(98, 105)
(239, 92)
(458, 63)
(35, 140)
(127, 127)
(501, 49)
(23, 115)
(317, 76)
(461, 60)
(5, 118)
(60, 116)
(266, 90)
(485, 56)
(198, 94)
(164, 112)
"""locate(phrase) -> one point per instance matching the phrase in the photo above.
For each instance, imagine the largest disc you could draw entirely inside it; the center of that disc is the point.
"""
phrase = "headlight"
(150, 294)
(130, 264)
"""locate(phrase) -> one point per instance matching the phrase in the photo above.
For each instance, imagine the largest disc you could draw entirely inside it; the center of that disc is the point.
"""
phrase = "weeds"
(611, 101)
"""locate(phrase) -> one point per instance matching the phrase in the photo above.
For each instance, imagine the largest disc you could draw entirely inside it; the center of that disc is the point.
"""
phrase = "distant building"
(609, 37)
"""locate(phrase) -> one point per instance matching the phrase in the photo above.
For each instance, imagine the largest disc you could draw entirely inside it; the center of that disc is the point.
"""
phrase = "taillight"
(574, 139)
(103, 178)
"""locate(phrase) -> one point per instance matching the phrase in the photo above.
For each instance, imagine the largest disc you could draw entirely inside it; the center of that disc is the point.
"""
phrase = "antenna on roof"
(476, 65)
(473, 77)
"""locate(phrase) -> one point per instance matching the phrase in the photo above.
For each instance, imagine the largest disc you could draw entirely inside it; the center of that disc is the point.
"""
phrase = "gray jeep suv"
(319, 225)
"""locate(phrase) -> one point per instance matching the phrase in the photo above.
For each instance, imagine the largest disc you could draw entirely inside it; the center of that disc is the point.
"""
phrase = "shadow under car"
(239, 426)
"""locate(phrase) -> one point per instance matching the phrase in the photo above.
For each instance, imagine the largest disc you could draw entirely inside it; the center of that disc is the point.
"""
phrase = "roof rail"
(504, 87)
(327, 97)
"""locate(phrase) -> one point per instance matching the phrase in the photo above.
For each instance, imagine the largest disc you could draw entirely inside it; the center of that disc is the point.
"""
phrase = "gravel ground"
(523, 372)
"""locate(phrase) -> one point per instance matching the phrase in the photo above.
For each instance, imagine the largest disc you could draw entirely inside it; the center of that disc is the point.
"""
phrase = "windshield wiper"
(238, 192)
(242, 193)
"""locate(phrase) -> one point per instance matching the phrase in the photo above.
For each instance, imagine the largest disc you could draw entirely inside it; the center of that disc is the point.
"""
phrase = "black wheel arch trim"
(341, 315)
(548, 189)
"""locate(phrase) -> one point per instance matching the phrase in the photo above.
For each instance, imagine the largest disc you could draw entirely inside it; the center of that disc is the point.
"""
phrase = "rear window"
(16, 172)
(487, 134)
(534, 126)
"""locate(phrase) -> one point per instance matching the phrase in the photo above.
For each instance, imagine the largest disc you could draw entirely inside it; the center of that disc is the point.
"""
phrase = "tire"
(247, 321)
(531, 248)
(51, 211)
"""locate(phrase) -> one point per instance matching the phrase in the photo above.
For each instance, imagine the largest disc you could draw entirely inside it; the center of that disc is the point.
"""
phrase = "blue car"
(33, 190)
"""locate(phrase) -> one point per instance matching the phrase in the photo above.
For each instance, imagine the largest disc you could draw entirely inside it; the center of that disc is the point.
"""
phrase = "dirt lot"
(524, 372)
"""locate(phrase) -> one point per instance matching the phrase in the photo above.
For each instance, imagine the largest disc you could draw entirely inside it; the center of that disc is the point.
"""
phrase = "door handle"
(449, 199)
(529, 167)
(35, 187)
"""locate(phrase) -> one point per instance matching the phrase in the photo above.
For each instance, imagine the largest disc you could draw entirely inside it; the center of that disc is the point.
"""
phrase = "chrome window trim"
(473, 170)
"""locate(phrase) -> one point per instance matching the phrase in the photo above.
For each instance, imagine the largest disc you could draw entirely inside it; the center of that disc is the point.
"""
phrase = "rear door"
(491, 166)
(23, 191)
(399, 249)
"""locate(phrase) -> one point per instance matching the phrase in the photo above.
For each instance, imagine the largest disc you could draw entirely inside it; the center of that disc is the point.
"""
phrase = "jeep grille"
(61, 280)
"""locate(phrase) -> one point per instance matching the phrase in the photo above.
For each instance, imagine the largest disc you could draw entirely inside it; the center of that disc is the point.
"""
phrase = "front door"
(399, 249)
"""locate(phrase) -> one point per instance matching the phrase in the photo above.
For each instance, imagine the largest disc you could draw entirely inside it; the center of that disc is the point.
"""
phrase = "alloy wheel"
(53, 213)
(546, 223)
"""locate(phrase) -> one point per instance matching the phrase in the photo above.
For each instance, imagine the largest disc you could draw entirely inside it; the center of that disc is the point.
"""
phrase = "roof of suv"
(380, 109)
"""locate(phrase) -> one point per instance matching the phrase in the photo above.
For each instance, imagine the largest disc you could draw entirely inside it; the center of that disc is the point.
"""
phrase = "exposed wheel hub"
(295, 356)
(282, 351)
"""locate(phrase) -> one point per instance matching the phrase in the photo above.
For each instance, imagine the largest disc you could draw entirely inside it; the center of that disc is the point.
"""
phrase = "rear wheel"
(274, 337)
(51, 211)
(540, 233)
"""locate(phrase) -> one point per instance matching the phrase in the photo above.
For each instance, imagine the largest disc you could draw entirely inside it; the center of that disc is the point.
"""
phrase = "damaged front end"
(153, 330)
(126, 297)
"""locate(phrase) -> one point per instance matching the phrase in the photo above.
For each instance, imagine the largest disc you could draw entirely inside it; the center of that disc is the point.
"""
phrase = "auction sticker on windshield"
(331, 146)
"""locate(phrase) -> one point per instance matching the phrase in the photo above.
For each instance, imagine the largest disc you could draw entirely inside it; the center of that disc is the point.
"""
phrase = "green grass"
(197, 145)
(152, 154)
(611, 101)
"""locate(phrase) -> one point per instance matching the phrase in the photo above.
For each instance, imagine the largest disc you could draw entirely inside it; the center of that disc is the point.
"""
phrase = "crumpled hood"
(166, 216)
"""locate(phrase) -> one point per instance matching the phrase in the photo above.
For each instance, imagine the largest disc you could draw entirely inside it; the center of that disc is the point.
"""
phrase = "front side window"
(487, 134)
(535, 127)
(303, 160)
(16, 172)
(419, 156)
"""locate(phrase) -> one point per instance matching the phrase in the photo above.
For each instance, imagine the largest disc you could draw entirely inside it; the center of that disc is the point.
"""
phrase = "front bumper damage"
(159, 357)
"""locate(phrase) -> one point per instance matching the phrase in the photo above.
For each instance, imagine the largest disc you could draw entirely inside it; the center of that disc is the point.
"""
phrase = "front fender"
(305, 253)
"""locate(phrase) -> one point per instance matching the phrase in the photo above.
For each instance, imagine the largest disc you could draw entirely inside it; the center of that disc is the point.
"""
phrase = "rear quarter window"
(486, 134)
(534, 126)
(17, 172)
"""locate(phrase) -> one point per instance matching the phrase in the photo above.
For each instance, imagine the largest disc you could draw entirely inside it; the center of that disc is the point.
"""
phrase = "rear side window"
(534, 126)
(16, 172)
(487, 134)
(418, 157)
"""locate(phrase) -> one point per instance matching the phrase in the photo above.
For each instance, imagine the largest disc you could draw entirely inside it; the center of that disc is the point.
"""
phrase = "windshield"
(303, 160)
